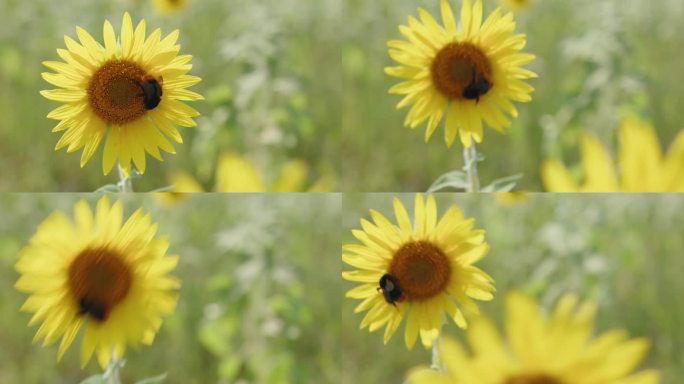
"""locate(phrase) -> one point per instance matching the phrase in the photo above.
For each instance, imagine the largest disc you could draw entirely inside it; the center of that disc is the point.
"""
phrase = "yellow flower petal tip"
(518, 5)
(236, 173)
(169, 7)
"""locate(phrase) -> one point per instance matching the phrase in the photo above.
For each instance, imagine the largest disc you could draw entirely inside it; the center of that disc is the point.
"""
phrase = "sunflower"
(97, 274)
(419, 272)
(517, 5)
(182, 185)
(235, 173)
(511, 198)
(465, 76)
(643, 168)
(128, 93)
(170, 6)
(558, 350)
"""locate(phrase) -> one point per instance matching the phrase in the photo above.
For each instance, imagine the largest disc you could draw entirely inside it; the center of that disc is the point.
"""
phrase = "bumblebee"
(477, 87)
(92, 308)
(390, 289)
(151, 91)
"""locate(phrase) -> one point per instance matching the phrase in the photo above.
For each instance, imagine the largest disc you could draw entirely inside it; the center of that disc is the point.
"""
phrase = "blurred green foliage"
(622, 250)
(257, 304)
(270, 73)
(596, 61)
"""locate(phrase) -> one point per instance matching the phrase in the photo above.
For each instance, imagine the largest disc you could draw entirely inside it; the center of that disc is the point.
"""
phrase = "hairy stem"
(112, 372)
(125, 184)
(470, 160)
(436, 363)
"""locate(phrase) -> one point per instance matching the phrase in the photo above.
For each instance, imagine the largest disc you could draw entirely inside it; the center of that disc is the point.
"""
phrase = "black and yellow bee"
(478, 86)
(390, 289)
(92, 308)
(151, 91)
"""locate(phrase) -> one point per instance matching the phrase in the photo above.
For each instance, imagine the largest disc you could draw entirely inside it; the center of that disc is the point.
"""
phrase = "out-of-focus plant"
(266, 111)
(235, 173)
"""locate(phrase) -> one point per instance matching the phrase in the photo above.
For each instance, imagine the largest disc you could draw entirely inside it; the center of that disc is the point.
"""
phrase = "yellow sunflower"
(128, 92)
(235, 173)
(97, 274)
(557, 350)
(421, 271)
(511, 198)
(517, 5)
(170, 6)
(642, 166)
(463, 75)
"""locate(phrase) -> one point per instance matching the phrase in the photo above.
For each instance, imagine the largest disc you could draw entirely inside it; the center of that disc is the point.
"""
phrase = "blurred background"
(596, 61)
(252, 306)
(270, 75)
(622, 250)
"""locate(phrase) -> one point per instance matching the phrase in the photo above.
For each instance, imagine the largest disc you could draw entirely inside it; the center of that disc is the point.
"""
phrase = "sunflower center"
(532, 379)
(99, 280)
(460, 70)
(115, 93)
(422, 270)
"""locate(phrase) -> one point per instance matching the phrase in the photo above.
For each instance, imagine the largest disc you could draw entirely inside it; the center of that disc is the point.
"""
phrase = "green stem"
(125, 183)
(112, 372)
(470, 160)
(436, 363)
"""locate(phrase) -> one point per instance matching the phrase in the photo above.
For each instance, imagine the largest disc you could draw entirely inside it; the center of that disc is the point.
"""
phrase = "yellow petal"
(597, 166)
(126, 36)
(556, 177)
(109, 39)
(235, 174)
(64, 95)
(292, 177)
(640, 158)
(419, 215)
(448, 19)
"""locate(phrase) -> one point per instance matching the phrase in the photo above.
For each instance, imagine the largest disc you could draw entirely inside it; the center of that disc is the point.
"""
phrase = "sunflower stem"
(125, 183)
(112, 372)
(470, 166)
(114, 378)
(436, 363)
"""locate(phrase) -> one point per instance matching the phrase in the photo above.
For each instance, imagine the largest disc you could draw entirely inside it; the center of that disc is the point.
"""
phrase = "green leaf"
(94, 379)
(504, 184)
(455, 179)
(153, 380)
